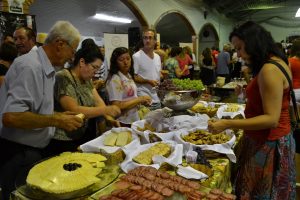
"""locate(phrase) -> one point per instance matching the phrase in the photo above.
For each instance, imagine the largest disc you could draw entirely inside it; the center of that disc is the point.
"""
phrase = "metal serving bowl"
(179, 100)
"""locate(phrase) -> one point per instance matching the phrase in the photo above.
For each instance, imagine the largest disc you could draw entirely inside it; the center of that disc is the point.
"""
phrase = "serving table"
(221, 178)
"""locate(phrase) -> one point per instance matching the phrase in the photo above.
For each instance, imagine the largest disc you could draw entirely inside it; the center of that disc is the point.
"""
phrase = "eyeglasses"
(148, 38)
(95, 67)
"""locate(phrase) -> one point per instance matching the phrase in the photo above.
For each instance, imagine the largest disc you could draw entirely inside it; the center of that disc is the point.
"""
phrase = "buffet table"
(221, 178)
(227, 92)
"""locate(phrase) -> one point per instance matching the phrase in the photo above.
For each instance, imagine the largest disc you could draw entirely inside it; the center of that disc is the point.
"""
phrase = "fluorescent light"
(298, 13)
(112, 18)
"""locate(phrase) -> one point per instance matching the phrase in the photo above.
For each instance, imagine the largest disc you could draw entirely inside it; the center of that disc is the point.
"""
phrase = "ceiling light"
(298, 13)
(112, 18)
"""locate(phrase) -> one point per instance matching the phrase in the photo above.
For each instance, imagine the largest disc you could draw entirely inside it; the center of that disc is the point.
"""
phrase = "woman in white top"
(121, 88)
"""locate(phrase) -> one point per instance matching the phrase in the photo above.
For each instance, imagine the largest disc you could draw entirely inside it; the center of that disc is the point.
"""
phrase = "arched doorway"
(208, 37)
(174, 28)
(138, 14)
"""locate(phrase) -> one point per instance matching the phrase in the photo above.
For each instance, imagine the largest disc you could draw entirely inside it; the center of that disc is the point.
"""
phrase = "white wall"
(280, 33)
(154, 9)
(79, 13)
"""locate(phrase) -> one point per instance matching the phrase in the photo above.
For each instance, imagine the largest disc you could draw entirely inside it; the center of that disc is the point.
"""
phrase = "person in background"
(207, 74)
(215, 52)
(280, 46)
(147, 68)
(223, 63)
(101, 76)
(189, 51)
(184, 60)
(7, 38)
(294, 62)
(25, 39)
(162, 55)
(99, 80)
(167, 49)
(266, 164)
(90, 43)
(74, 91)
(288, 50)
(172, 64)
(27, 117)
(8, 52)
(121, 87)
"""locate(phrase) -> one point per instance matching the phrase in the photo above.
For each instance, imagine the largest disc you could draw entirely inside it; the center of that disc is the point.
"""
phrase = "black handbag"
(295, 120)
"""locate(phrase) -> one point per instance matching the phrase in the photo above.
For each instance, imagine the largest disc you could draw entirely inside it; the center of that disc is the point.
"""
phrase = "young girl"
(121, 87)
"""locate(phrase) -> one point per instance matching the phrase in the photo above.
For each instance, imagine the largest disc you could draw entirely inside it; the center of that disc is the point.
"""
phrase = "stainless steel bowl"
(179, 100)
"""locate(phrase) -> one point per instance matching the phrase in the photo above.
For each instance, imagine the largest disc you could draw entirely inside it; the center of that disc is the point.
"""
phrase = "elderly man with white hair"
(27, 119)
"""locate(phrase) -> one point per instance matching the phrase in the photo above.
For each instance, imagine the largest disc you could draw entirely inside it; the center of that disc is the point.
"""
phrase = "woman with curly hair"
(266, 165)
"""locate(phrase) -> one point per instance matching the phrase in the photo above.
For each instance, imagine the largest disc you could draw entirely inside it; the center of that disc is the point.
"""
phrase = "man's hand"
(153, 83)
(68, 121)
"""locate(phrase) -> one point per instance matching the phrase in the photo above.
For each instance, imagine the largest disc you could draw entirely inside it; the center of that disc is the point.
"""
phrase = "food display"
(145, 157)
(205, 109)
(180, 94)
(201, 163)
(181, 84)
(232, 108)
(73, 173)
(112, 141)
(146, 127)
(119, 139)
(66, 173)
(150, 183)
(200, 137)
(231, 111)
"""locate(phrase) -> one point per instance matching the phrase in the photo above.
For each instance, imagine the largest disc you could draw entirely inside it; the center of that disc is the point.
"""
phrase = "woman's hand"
(145, 100)
(98, 83)
(217, 126)
(112, 111)
(112, 121)
(186, 67)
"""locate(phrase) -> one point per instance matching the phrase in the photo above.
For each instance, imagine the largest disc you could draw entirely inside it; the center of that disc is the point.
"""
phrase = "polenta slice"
(122, 139)
(110, 139)
(145, 157)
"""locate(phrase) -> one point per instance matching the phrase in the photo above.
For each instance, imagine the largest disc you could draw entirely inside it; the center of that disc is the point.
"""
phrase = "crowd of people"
(41, 98)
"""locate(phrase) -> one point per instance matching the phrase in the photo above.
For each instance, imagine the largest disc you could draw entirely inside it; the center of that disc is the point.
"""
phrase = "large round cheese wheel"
(66, 173)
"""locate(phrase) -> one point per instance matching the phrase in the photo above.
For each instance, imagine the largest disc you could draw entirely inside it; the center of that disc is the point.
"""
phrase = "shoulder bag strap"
(292, 93)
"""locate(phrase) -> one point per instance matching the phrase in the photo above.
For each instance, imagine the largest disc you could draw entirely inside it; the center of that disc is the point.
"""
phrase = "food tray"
(108, 175)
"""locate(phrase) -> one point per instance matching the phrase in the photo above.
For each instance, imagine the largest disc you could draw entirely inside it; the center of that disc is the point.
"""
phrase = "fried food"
(201, 137)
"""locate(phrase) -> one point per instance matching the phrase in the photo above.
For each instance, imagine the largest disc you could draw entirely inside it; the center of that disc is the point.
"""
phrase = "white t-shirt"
(149, 69)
